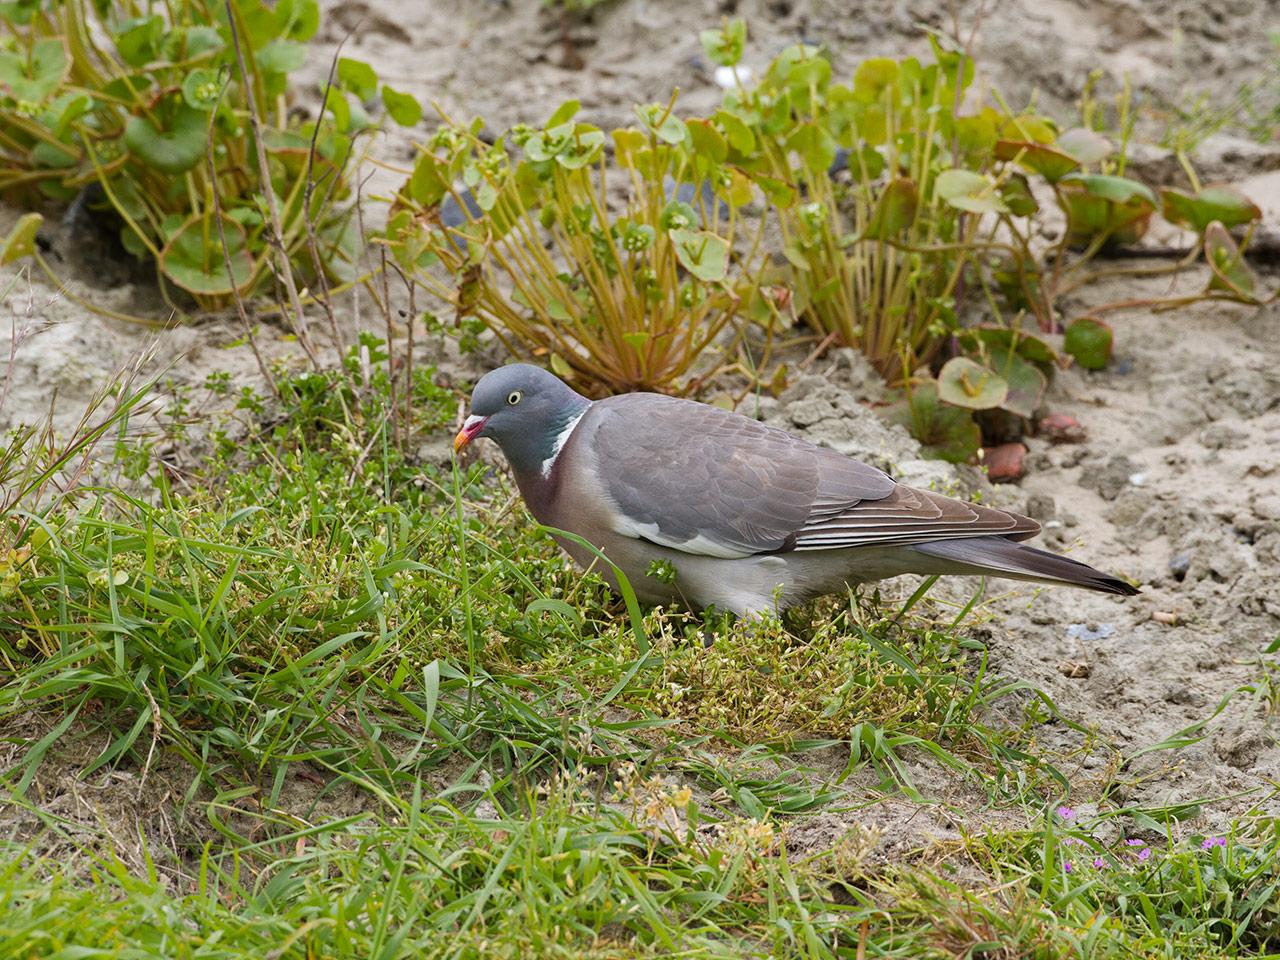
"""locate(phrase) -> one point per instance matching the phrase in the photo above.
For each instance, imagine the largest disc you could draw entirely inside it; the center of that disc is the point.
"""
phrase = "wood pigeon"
(750, 518)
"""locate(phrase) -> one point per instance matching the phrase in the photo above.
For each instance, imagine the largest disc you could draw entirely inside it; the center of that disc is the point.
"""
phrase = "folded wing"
(707, 481)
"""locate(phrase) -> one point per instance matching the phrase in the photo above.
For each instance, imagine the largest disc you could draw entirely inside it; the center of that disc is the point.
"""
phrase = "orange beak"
(470, 427)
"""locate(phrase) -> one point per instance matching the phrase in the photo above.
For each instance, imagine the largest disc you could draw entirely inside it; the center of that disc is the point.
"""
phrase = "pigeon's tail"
(1000, 557)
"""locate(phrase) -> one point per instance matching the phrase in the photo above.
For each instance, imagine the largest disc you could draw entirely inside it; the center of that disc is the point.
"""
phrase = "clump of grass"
(1180, 890)
(314, 607)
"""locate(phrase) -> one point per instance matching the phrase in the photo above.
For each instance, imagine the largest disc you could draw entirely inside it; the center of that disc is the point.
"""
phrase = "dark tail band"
(1004, 558)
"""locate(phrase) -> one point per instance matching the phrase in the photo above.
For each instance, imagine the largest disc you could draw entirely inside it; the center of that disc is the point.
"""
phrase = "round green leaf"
(358, 77)
(429, 181)
(976, 135)
(945, 432)
(138, 39)
(1089, 341)
(1220, 201)
(403, 108)
(1026, 384)
(1017, 196)
(814, 145)
(34, 79)
(969, 191)
(895, 210)
(174, 150)
(1085, 146)
(298, 19)
(1039, 158)
(707, 141)
(702, 253)
(202, 89)
(1230, 272)
(1117, 207)
(724, 47)
(873, 76)
(281, 57)
(193, 257)
(1115, 189)
(201, 40)
(582, 148)
(997, 338)
(966, 383)
(21, 241)
(677, 215)
(737, 131)
(666, 126)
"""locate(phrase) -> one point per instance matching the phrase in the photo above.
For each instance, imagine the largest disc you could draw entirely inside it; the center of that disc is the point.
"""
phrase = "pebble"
(1062, 428)
(1109, 480)
(1041, 506)
(1074, 669)
(1005, 462)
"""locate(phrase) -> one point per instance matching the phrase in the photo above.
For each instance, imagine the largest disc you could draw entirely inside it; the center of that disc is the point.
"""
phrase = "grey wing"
(907, 516)
(707, 481)
(703, 480)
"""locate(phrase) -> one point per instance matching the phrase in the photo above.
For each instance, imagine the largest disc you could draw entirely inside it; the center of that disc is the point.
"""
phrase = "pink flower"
(1144, 854)
(1066, 865)
(1099, 863)
(1211, 842)
(1066, 813)
(1135, 843)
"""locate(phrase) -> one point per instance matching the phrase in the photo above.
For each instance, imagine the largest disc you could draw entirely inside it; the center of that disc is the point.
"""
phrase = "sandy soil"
(1176, 485)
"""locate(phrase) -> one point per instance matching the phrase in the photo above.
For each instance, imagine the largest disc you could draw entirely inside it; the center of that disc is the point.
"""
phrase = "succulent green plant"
(876, 264)
(626, 296)
(145, 112)
(908, 209)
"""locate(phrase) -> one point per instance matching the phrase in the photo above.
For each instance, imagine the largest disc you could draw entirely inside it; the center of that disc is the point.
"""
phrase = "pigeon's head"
(524, 409)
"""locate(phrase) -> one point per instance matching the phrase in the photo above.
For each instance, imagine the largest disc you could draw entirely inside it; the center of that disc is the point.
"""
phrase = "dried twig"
(226, 259)
(275, 235)
(308, 191)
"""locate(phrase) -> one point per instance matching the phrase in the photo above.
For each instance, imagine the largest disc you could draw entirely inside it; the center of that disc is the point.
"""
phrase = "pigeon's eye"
(514, 397)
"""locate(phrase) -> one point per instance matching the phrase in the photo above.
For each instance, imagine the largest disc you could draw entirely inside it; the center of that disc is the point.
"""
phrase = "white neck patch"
(561, 439)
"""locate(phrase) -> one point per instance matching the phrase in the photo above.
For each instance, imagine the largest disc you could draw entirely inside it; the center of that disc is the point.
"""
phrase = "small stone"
(1005, 462)
(1175, 693)
(1072, 457)
(1267, 507)
(1165, 617)
(1179, 565)
(1074, 669)
(1242, 751)
(1041, 506)
(811, 410)
(1062, 428)
(1111, 479)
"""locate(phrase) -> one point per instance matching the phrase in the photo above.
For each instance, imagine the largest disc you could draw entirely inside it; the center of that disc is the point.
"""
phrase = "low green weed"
(173, 119)
(638, 299)
(908, 209)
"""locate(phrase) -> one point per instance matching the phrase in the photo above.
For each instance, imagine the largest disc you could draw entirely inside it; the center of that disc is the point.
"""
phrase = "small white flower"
(729, 77)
